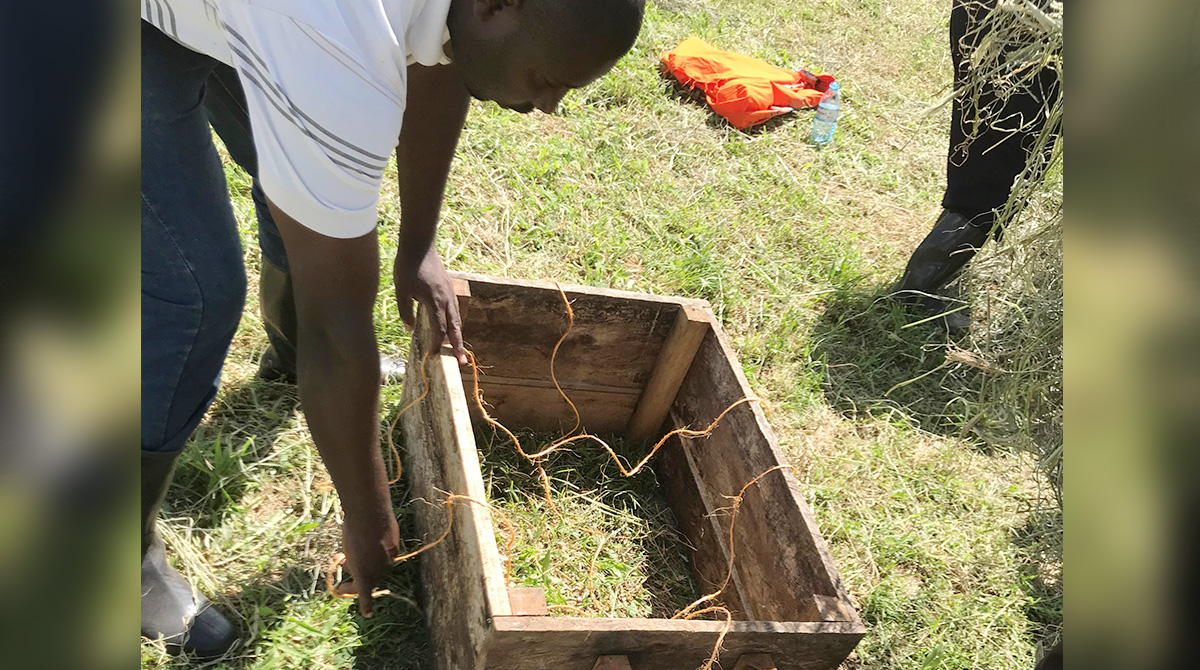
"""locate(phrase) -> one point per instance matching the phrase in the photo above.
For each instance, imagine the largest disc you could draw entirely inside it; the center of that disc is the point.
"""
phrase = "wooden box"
(635, 363)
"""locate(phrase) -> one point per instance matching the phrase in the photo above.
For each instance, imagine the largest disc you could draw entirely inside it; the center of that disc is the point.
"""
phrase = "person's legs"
(225, 106)
(193, 280)
(983, 162)
(976, 183)
(981, 166)
(193, 289)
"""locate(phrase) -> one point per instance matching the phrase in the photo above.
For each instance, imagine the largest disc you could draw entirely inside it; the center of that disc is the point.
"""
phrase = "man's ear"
(485, 10)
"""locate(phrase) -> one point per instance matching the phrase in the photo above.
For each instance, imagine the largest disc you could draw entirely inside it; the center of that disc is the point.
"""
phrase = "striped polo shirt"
(325, 84)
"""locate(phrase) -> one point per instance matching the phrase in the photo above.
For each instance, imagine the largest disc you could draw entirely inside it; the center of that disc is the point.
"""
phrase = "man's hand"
(433, 119)
(371, 541)
(427, 282)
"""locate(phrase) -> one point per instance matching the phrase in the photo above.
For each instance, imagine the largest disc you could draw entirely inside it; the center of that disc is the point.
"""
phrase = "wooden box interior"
(643, 365)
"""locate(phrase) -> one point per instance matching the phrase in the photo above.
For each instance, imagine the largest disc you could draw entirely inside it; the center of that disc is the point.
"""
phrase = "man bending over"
(311, 98)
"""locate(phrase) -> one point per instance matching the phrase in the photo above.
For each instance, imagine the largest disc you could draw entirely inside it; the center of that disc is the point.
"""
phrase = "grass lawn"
(951, 551)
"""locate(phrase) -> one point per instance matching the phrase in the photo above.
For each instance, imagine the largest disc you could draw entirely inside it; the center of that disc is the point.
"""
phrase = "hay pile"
(1016, 286)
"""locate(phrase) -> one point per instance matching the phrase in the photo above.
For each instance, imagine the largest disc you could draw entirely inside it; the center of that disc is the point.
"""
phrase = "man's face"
(524, 87)
(520, 74)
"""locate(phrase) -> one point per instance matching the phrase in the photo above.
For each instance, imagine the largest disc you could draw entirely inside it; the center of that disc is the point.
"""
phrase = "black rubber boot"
(171, 609)
(943, 253)
(277, 307)
(1053, 660)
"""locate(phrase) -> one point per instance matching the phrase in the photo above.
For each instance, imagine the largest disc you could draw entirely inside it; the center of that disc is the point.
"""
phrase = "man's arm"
(335, 282)
(436, 109)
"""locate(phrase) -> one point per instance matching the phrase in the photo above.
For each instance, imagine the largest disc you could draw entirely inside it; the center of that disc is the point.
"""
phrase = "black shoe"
(178, 614)
(1053, 660)
(955, 320)
(943, 253)
(272, 369)
(173, 611)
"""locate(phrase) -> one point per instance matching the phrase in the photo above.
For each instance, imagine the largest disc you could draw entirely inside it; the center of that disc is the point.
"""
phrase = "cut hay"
(608, 548)
(1016, 286)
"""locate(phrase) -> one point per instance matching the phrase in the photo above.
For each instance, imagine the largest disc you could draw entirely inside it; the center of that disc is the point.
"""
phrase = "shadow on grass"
(1040, 541)
(881, 362)
(395, 637)
(240, 430)
(878, 366)
(262, 606)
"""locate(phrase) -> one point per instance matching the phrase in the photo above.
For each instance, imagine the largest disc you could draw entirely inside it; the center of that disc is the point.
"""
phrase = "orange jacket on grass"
(744, 90)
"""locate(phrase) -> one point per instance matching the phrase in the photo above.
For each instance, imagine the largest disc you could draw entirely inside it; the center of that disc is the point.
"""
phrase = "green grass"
(949, 547)
(610, 545)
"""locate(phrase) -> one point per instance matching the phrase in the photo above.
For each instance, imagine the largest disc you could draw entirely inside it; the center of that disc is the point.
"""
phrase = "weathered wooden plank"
(832, 608)
(612, 663)
(781, 560)
(755, 662)
(674, 361)
(512, 327)
(703, 530)
(462, 286)
(663, 644)
(543, 409)
(465, 477)
(527, 601)
(579, 289)
(462, 577)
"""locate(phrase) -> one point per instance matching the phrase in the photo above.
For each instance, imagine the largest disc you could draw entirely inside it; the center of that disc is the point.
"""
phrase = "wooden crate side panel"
(532, 405)
(474, 521)
(545, 643)
(781, 561)
(512, 327)
(462, 577)
(704, 532)
(465, 280)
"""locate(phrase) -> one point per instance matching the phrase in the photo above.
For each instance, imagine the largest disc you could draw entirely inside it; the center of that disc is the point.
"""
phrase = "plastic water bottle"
(827, 115)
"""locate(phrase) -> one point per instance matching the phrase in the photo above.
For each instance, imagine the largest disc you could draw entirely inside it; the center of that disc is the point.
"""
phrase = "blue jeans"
(225, 105)
(193, 279)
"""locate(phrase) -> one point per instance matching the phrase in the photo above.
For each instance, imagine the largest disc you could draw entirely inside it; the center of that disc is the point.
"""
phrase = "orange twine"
(339, 558)
(570, 438)
(716, 652)
(687, 613)
(392, 426)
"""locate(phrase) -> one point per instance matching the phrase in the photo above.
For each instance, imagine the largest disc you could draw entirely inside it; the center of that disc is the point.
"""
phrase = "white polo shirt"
(325, 84)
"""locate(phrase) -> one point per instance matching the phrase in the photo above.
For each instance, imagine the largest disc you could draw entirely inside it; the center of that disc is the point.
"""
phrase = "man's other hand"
(428, 282)
(371, 541)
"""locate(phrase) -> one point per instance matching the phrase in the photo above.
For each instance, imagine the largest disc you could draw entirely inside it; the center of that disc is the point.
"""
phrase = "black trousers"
(979, 176)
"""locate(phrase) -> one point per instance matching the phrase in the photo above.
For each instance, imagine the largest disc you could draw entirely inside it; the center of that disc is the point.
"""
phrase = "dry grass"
(609, 547)
(950, 545)
(1017, 286)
